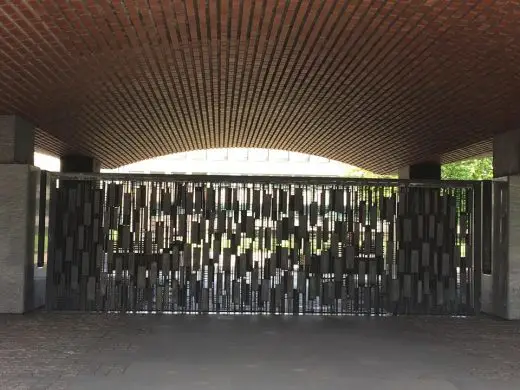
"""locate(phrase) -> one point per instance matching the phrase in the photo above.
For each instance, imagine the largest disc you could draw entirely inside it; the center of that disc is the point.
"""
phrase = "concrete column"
(422, 171)
(77, 163)
(501, 289)
(17, 215)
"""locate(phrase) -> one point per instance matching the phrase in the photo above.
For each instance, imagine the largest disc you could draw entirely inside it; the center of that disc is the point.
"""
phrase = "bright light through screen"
(47, 163)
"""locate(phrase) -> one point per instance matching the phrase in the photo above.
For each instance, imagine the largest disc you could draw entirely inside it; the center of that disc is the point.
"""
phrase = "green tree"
(474, 169)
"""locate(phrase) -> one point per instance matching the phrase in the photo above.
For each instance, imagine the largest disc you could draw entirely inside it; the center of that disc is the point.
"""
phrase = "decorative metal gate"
(196, 244)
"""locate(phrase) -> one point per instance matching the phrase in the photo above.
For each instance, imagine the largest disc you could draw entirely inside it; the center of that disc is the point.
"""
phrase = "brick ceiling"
(378, 84)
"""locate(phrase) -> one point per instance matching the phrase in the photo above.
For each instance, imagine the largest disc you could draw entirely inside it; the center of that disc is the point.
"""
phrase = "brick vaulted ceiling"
(378, 84)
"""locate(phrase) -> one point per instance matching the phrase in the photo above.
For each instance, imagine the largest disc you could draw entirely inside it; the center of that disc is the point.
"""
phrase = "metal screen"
(195, 244)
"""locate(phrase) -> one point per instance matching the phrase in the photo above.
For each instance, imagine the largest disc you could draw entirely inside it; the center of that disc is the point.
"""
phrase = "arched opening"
(231, 161)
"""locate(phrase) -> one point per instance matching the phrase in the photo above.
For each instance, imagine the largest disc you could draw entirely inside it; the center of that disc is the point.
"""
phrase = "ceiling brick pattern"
(377, 84)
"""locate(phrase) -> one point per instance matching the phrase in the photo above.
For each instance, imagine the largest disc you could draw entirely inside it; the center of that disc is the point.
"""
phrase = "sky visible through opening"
(230, 161)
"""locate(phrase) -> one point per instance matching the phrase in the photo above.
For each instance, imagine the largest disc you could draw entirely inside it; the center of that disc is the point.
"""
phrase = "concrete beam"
(79, 164)
(421, 171)
(506, 154)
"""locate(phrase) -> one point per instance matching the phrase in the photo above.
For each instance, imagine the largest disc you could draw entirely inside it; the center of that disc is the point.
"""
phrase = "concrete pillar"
(501, 289)
(421, 171)
(17, 215)
(79, 164)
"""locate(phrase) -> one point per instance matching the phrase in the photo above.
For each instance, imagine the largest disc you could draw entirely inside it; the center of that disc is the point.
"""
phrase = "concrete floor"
(58, 351)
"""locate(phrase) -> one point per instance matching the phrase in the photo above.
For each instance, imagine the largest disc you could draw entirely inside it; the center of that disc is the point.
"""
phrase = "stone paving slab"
(90, 351)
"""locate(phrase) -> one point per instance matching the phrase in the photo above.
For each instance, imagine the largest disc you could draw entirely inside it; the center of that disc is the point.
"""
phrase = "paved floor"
(54, 351)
